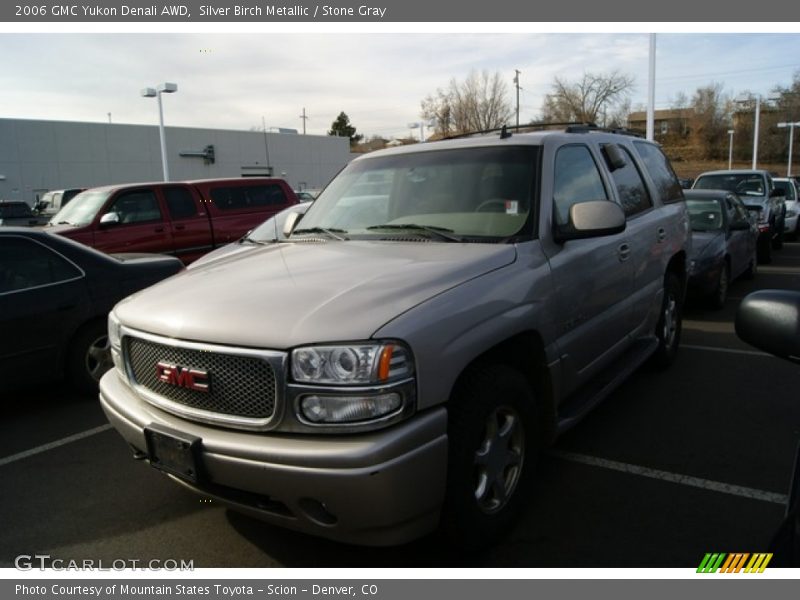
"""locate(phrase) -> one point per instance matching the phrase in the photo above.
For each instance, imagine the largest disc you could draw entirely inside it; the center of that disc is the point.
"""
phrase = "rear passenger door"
(592, 277)
(237, 207)
(188, 222)
(141, 225)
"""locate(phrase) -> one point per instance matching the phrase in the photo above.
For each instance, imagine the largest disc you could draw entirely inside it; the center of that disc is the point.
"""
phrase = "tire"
(765, 252)
(752, 269)
(720, 293)
(668, 328)
(777, 241)
(89, 357)
(493, 442)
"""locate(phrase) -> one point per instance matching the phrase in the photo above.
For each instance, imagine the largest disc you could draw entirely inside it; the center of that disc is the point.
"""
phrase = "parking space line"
(63, 441)
(727, 350)
(697, 482)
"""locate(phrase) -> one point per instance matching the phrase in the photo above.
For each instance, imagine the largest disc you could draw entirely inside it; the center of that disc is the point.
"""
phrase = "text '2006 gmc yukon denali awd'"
(439, 313)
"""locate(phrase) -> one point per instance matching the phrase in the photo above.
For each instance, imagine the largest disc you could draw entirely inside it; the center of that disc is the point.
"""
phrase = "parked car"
(724, 240)
(267, 233)
(790, 190)
(400, 360)
(770, 321)
(757, 190)
(686, 182)
(186, 219)
(54, 200)
(55, 295)
(19, 214)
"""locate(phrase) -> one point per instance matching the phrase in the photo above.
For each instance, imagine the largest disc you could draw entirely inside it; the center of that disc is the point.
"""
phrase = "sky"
(239, 80)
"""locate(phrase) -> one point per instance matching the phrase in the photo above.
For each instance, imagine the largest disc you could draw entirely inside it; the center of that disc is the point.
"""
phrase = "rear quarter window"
(248, 197)
(660, 171)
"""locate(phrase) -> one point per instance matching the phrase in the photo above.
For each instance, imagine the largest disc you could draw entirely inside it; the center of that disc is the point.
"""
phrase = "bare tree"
(711, 120)
(478, 103)
(590, 100)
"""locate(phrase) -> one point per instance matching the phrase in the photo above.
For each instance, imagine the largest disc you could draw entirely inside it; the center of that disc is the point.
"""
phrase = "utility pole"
(516, 84)
(305, 118)
(651, 90)
(266, 146)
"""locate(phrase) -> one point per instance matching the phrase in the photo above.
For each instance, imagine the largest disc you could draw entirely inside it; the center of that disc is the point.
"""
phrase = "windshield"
(82, 209)
(744, 184)
(704, 215)
(787, 188)
(475, 194)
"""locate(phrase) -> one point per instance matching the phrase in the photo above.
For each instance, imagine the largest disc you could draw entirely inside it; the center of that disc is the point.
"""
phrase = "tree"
(478, 103)
(711, 120)
(590, 100)
(341, 127)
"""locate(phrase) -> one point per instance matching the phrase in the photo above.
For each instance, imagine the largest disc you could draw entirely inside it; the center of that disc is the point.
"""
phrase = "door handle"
(180, 227)
(158, 230)
(624, 252)
(661, 234)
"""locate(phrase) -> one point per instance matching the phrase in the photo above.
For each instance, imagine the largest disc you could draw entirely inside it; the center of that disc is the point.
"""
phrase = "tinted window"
(15, 209)
(26, 264)
(632, 191)
(576, 180)
(787, 188)
(243, 197)
(138, 206)
(660, 170)
(180, 203)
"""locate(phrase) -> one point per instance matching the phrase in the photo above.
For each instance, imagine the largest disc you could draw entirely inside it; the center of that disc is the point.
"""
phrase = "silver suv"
(440, 313)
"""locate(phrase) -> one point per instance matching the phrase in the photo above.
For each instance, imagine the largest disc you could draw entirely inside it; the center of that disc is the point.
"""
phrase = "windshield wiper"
(440, 232)
(250, 240)
(334, 233)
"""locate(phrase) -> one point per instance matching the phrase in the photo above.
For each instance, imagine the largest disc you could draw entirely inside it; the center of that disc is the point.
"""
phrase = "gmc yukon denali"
(440, 313)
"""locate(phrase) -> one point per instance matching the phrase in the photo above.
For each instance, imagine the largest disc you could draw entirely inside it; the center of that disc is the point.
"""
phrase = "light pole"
(791, 127)
(730, 149)
(162, 88)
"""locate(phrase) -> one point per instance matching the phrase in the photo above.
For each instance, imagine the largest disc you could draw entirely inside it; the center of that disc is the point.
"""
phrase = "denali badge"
(192, 379)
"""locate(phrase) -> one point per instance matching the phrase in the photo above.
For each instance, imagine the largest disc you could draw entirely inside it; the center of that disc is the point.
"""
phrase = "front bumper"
(379, 488)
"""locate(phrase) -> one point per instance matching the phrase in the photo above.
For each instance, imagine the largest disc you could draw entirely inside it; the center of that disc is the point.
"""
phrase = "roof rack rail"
(508, 130)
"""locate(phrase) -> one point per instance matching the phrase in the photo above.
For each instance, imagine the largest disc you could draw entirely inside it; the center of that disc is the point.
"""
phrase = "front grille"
(239, 386)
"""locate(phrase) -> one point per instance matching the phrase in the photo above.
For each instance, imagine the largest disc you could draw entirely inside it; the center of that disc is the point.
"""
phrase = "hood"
(702, 241)
(284, 295)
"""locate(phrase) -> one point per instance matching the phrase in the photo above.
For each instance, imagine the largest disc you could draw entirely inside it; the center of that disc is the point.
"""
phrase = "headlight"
(114, 333)
(352, 364)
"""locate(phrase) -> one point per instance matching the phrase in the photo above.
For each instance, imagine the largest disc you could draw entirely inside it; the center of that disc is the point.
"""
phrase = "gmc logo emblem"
(185, 377)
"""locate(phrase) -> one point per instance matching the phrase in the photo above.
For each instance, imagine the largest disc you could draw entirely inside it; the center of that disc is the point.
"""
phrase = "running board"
(596, 390)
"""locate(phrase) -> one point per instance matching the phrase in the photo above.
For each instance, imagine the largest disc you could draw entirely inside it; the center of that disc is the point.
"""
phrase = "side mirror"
(770, 321)
(615, 157)
(592, 219)
(289, 224)
(109, 219)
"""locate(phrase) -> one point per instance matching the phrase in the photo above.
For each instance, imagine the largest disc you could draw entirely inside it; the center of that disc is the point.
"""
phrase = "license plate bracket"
(174, 452)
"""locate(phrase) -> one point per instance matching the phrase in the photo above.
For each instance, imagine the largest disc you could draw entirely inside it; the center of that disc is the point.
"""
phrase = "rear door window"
(633, 194)
(248, 197)
(180, 203)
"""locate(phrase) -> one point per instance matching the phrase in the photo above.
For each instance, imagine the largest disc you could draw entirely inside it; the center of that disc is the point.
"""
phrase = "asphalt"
(674, 464)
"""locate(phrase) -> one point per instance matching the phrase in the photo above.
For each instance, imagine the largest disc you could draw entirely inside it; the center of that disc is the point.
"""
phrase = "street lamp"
(162, 88)
(730, 149)
(791, 127)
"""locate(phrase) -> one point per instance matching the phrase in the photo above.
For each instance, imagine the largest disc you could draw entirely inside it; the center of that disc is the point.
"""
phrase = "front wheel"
(493, 443)
(89, 357)
(668, 328)
(720, 294)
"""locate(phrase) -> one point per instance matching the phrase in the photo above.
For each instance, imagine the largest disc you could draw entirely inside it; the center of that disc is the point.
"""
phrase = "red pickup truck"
(186, 219)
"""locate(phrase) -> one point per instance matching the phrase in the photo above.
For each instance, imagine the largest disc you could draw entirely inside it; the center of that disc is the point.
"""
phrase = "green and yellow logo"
(719, 562)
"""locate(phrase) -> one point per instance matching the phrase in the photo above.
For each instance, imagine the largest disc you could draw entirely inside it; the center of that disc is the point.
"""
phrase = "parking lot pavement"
(674, 464)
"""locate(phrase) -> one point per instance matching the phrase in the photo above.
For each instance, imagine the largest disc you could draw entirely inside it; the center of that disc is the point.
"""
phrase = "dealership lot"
(673, 465)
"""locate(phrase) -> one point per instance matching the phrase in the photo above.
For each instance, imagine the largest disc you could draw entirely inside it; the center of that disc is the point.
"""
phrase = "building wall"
(36, 156)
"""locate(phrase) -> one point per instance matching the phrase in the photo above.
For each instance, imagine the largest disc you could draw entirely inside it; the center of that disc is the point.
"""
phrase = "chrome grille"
(240, 386)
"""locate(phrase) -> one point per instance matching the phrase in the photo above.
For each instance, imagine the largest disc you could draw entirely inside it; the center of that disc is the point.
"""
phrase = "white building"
(37, 156)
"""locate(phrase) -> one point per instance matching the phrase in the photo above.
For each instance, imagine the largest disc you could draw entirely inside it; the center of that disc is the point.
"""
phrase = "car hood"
(704, 241)
(288, 294)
